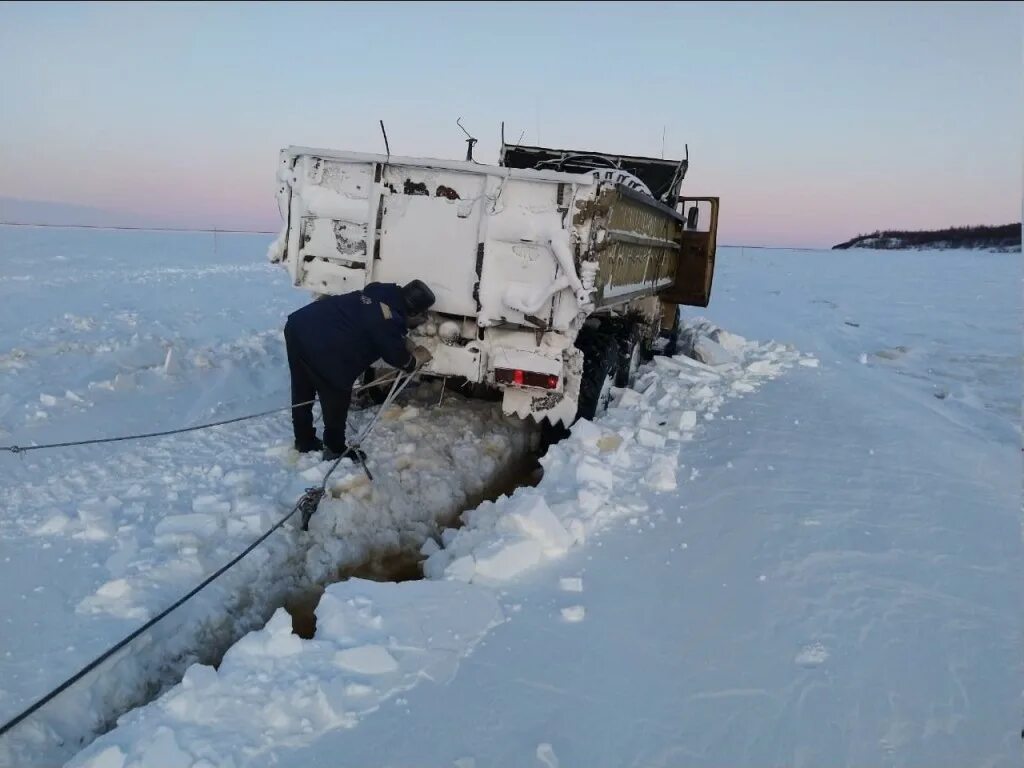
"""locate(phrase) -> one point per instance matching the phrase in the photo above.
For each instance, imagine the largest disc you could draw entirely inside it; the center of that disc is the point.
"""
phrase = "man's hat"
(418, 297)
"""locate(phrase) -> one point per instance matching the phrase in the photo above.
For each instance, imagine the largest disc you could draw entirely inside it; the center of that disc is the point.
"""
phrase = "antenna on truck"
(387, 147)
(470, 141)
(677, 178)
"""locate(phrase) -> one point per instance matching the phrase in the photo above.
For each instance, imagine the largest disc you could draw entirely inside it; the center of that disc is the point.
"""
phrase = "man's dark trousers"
(308, 384)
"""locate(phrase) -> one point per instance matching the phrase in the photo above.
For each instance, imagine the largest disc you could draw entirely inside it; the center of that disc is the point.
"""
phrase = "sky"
(812, 122)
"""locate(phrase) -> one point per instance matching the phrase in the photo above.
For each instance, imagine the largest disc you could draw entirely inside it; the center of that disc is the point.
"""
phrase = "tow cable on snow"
(310, 500)
(20, 449)
(307, 503)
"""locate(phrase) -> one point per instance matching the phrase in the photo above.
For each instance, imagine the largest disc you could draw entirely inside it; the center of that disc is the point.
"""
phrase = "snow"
(574, 613)
(571, 584)
(100, 538)
(373, 642)
(790, 557)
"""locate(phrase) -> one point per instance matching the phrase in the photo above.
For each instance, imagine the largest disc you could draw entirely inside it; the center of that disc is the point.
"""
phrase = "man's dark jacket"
(339, 337)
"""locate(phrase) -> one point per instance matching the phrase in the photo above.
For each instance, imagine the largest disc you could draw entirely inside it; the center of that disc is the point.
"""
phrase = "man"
(332, 341)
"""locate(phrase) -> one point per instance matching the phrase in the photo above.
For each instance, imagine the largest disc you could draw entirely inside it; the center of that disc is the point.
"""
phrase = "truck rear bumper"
(557, 406)
(490, 363)
(538, 381)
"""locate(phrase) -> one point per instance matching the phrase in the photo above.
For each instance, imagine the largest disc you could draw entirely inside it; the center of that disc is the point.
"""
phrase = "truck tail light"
(521, 378)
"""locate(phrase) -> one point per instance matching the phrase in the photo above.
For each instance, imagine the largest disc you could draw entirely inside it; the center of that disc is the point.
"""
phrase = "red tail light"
(521, 378)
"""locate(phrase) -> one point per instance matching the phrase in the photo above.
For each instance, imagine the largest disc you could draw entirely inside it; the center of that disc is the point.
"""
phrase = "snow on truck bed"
(822, 570)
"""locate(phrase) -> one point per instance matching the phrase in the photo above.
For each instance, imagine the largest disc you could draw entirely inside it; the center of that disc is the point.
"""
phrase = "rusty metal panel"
(635, 241)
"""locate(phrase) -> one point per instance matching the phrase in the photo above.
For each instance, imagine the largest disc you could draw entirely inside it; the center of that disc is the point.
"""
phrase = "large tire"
(600, 365)
(631, 355)
(672, 345)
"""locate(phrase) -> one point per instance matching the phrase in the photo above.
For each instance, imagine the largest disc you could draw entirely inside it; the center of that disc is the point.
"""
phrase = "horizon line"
(217, 230)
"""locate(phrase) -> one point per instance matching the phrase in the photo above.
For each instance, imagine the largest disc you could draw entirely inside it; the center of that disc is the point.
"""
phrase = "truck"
(556, 272)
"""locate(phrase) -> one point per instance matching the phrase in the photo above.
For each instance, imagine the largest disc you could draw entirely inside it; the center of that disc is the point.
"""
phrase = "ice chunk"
(546, 754)
(461, 569)
(366, 660)
(762, 368)
(210, 505)
(165, 751)
(536, 520)
(730, 341)
(429, 547)
(650, 439)
(592, 471)
(111, 757)
(590, 499)
(116, 589)
(587, 432)
(574, 613)
(711, 352)
(114, 598)
(58, 523)
(199, 677)
(196, 525)
(662, 474)
(629, 398)
(95, 517)
(124, 381)
(505, 560)
(434, 566)
(571, 584)
(812, 655)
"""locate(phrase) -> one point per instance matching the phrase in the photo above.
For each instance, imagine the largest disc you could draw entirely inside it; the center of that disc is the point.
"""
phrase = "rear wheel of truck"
(600, 365)
(633, 350)
(671, 338)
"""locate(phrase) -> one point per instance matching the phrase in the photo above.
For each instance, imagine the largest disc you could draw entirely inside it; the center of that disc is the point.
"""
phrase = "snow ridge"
(591, 478)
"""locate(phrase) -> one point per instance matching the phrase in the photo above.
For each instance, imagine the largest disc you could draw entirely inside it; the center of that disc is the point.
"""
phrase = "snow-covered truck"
(555, 271)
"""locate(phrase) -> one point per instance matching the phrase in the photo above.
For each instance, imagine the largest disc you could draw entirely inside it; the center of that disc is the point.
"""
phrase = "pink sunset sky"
(813, 123)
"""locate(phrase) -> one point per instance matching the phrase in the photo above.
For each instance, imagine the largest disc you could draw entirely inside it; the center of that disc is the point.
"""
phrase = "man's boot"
(308, 446)
(356, 454)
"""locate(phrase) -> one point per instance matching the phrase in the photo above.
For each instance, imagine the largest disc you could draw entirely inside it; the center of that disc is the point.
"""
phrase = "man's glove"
(422, 356)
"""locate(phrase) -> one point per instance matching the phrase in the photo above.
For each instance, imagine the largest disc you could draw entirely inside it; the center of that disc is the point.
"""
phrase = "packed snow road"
(782, 557)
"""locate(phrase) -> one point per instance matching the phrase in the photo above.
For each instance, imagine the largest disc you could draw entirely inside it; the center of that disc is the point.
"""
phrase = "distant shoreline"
(1003, 238)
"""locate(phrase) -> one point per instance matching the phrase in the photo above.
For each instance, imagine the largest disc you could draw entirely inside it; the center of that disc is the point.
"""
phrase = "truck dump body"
(518, 258)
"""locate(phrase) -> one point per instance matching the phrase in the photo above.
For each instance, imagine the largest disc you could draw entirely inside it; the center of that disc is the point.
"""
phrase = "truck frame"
(554, 271)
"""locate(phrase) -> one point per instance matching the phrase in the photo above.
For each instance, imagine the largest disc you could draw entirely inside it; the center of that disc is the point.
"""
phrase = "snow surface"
(590, 480)
(101, 538)
(723, 569)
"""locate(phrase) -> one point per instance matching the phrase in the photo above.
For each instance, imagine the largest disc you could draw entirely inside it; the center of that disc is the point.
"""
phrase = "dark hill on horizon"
(1005, 237)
